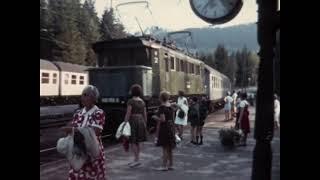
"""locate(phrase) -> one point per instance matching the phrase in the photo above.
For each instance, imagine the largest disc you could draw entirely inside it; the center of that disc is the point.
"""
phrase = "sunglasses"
(85, 94)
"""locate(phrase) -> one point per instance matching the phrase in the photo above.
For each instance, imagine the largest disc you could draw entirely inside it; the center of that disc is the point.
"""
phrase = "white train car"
(217, 85)
(73, 78)
(61, 83)
(49, 79)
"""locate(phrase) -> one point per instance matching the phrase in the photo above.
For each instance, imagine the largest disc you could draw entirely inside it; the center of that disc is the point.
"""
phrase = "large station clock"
(216, 11)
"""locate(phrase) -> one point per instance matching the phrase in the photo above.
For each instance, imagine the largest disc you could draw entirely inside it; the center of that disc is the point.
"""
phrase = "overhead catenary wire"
(138, 2)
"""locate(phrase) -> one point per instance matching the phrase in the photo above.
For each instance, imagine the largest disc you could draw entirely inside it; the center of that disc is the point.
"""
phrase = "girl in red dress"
(243, 120)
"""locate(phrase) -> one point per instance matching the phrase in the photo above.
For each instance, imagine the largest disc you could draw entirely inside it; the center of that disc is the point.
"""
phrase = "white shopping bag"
(123, 130)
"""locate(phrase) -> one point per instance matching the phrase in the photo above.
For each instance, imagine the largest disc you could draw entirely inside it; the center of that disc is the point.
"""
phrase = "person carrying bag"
(123, 133)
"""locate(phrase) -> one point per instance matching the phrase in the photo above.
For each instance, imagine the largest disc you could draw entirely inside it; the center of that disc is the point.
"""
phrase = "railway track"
(51, 123)
(57, 120)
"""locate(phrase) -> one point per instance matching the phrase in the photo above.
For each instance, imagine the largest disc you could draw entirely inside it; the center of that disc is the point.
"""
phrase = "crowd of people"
(171, 118)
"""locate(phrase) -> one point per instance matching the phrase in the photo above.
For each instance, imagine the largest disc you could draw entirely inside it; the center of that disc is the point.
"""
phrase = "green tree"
(207, 58)
(231, 68)
(64, 19)
(89, 27)
(221, 58)
(110, 28)
(247, 65)
(253, 64)
(240, 69)
(45, 43)
(43, 15)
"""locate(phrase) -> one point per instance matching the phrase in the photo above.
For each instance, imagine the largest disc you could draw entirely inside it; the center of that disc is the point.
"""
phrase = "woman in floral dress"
(89, 116)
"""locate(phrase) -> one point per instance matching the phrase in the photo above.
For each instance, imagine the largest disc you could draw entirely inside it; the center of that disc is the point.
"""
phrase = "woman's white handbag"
(178, 139)
(123, 130)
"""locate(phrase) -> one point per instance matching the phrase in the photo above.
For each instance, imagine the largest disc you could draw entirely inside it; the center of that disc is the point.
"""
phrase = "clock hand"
(205, 7)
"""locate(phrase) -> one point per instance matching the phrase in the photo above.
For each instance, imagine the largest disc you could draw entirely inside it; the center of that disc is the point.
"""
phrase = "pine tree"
(45, 43)
(221, 58)
(110, 28)
(232, 67)
(240, 69)
(253, 63)
(89, 28)
(247, 68)
(64, 24)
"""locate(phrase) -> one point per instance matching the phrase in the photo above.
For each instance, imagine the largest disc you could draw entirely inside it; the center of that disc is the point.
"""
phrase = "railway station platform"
(191, 162)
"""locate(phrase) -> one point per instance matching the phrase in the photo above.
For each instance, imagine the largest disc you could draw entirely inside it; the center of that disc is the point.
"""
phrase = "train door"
(167, 69)
(206, 82)
(212, 86)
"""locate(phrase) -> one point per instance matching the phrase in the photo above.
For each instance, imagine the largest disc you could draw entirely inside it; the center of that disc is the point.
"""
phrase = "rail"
(50, 123)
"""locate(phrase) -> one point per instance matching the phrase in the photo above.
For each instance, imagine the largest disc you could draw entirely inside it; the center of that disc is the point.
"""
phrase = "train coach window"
(172, 63)
(66, 79)
(73, 79)
(81, 80)
(45, 78)
(54, 79)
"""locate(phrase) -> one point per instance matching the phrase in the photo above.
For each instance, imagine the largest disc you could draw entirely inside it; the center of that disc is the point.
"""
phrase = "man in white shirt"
(276, 111)
(227, 106)
(234, 104)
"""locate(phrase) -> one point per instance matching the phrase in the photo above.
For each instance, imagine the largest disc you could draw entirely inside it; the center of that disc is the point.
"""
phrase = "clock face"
(216, 11)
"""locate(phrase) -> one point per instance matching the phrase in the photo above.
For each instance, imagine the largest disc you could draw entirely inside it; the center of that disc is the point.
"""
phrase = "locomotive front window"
(45, 78)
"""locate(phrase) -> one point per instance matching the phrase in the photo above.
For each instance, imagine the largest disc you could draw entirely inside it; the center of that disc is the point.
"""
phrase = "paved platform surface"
(191, 162)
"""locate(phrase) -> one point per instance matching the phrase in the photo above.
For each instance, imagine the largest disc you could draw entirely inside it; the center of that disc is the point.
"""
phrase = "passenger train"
(156, 66)
(153, 64)
(61, 83)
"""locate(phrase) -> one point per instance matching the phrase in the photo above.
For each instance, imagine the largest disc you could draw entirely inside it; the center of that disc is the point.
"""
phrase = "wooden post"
(263, 132)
